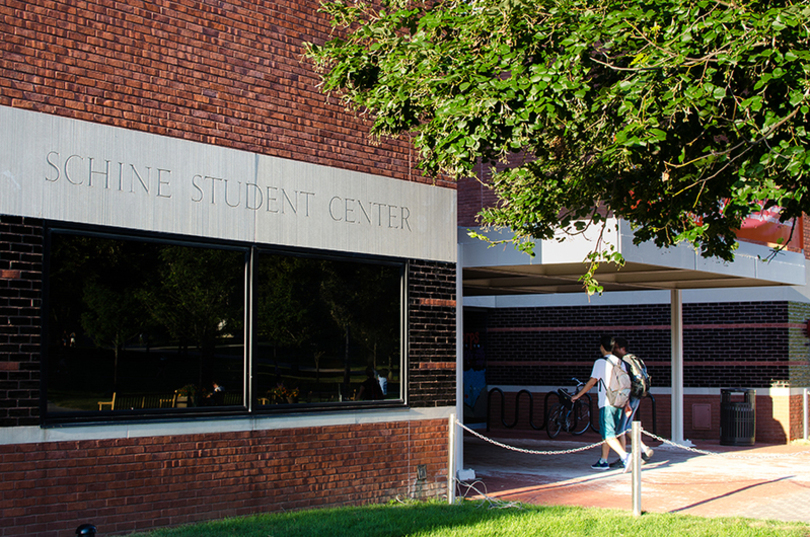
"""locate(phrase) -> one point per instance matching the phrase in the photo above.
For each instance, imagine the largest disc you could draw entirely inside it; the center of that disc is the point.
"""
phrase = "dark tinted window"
(141, 327)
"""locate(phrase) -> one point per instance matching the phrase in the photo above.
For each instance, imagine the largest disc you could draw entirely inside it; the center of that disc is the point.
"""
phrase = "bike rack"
(545, 410)
(517, 409)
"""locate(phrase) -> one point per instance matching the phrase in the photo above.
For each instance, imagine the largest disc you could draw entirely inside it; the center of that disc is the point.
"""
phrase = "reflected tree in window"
(320, 323)
(123, 315)
(198, 299)
(136, 326)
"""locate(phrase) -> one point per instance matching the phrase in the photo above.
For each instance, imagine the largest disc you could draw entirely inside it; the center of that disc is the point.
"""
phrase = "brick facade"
(552, 344)
(20, 326)
(228, 74)
(432, 334)
(759, 345)
(125, 485)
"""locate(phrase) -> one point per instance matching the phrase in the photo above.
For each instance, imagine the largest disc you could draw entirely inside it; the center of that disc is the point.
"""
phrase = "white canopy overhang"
(557, 266)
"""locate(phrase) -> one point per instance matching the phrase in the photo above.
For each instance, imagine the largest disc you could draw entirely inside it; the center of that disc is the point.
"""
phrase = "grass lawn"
(473, 519)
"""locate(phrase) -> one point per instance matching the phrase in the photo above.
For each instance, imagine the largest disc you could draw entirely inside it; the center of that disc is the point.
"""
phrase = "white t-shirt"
(602, 368)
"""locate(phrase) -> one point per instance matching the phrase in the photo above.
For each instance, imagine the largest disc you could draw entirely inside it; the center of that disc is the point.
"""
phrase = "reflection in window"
(327, 330)
(140, 325)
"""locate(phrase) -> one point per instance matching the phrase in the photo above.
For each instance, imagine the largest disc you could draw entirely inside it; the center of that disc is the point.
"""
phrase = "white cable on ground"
(492, 503)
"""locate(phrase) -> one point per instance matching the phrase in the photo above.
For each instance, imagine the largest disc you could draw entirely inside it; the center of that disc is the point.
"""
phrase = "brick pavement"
(768, 482)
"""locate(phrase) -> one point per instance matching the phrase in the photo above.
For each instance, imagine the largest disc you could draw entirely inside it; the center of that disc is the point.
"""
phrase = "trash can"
(738, 419)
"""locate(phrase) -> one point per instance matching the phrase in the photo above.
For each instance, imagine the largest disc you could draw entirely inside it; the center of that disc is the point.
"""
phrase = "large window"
(138, 327)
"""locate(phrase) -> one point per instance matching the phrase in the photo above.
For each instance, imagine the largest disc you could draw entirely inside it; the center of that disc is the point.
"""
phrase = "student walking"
(611, 404)
(620, 351)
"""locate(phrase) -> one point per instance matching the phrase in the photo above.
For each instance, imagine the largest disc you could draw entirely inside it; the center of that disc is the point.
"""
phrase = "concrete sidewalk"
(768, 482)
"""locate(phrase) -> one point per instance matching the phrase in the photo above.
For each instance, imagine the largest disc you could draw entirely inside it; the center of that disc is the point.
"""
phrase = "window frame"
(251, 251)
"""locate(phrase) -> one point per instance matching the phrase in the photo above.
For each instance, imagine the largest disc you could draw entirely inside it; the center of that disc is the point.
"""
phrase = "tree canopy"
(681, 117)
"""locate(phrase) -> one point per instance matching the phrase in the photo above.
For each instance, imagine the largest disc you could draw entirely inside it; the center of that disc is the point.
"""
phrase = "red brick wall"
(226, 73)
(125, 485)
(740, 344)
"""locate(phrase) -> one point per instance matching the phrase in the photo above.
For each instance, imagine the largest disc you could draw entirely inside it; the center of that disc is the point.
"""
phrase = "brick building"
(200, 257)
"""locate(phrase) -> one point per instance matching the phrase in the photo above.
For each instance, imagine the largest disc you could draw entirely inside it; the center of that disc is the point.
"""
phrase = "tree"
(682, 117)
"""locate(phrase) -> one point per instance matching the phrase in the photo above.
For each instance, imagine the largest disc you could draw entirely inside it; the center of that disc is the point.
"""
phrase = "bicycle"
(571, 416)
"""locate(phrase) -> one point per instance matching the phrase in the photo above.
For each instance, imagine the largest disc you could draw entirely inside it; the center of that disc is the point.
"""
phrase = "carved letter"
(52, 165)
(161, 182)
(392, 216)
(349, 211)
(67, 175)
(363, 210)
(140, 179)
(238, 190)
(306, 201)
(105, 173)
(405, 213)
(331, 213)
(258, 199)
(289, 201)
(197, 188)
(272, 207)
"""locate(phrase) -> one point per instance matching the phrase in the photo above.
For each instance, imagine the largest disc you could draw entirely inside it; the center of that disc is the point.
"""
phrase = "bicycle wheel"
(582, 415)
(555, 420)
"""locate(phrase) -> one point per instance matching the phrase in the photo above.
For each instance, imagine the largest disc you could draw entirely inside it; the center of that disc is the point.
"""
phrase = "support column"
(676, 321)
(459, 444)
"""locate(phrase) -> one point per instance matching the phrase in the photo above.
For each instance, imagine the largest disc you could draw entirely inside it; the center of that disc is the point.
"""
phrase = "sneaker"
(618, 463)
(600, 465)
(628, 463)
(647, 455)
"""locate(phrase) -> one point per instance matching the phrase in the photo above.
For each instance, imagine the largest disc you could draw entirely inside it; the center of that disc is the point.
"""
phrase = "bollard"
(86, 529)
(636, 455)
(451, 460)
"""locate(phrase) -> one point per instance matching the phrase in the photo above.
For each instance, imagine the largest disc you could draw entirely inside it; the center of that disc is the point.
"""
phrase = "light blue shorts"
(627, 421)
(610, 418)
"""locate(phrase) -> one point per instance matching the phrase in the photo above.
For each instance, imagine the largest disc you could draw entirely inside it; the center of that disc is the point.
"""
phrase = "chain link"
(651, 435)
(725, 455)
(528, 451)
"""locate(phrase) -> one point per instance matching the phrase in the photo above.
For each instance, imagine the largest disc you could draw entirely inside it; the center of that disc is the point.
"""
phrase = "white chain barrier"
(529, 451)
(725, 455)
(651, 435)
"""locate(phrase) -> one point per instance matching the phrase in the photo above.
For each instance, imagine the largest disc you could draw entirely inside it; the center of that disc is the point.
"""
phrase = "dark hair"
(619, 343)
(607, 343)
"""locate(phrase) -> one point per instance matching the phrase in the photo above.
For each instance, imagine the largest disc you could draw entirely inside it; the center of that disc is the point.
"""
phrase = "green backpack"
(639, 378)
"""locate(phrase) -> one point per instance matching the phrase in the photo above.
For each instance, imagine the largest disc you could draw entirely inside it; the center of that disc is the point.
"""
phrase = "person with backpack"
(639, 388)
(613, 388)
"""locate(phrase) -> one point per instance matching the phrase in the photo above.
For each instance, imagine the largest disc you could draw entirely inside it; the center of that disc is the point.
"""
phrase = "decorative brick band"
(613, 329)
(437, 365)
(690, 363)
(576, 328)
(437, 302)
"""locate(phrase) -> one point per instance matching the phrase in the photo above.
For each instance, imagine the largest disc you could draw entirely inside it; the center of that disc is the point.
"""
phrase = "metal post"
(451, 461)
(459, 454)
(677, 367)
(636, 454)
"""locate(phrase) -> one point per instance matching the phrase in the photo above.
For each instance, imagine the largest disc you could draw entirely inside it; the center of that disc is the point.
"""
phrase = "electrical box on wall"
(702, 416)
